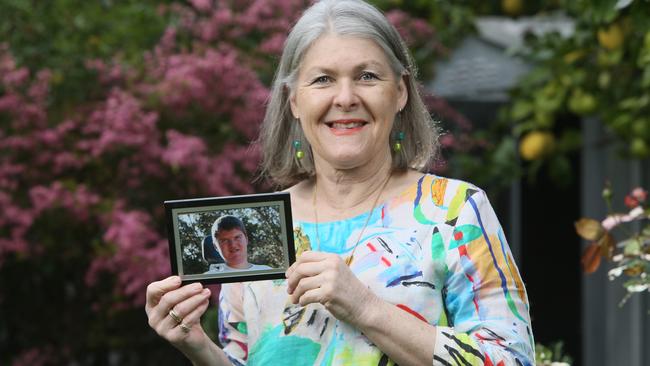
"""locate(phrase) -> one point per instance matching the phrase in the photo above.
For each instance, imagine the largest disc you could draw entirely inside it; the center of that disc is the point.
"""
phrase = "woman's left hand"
(324, 278)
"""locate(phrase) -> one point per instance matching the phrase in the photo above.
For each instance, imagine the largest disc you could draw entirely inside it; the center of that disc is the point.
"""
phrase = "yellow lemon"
(512, 7)
(611, 37)
(639, 148)
(536, 145)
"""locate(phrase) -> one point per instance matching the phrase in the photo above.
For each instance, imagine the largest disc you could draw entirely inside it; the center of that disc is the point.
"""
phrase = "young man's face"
(234, 247)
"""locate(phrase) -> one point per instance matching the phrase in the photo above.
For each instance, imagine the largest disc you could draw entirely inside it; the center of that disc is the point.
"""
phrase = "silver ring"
(174, 315)
(185, 328)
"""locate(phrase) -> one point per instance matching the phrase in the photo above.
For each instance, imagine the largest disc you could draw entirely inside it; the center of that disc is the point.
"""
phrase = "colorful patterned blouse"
(436, 251)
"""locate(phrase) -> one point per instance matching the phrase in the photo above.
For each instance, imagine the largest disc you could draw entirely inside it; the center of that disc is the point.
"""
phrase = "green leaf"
(604, 11)
(524, 127)
(521, 109)
(631, 247)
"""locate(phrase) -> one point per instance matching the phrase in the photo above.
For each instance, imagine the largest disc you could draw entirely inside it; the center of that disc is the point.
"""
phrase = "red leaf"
(591, 258)
(607, 244)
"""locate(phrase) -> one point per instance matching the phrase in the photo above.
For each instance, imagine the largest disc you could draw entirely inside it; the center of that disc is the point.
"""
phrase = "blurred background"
(110, 107)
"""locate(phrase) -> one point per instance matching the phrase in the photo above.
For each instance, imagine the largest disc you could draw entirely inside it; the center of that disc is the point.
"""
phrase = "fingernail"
(206, 291)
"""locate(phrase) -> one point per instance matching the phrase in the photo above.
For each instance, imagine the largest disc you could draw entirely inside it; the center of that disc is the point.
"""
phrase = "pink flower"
(639, 194)
(140, 255)
(15, 78)
(614, 220)
(202, 5)
(273, 44)
(631, 202)
(447, 140)
(34, 357)
(181, 149)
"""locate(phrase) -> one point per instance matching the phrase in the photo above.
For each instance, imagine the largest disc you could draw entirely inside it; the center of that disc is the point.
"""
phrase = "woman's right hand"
(188, 304)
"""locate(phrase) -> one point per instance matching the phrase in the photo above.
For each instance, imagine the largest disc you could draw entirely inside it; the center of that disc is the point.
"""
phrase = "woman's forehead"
(331, 49)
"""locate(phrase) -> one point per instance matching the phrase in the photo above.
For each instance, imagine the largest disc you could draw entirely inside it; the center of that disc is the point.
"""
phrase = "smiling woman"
(394, 266)
(346, 102)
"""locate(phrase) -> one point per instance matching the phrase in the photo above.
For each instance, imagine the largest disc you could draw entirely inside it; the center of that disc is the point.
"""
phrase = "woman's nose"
(346, 97)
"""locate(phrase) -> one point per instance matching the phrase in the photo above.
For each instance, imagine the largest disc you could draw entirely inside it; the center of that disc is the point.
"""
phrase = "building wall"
(612, 335)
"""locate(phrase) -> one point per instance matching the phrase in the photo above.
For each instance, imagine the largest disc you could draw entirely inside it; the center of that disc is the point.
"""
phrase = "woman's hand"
(174, 312)
(324, 278)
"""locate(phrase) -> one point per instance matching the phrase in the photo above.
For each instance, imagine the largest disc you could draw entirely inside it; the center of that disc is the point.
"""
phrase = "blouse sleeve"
(484, 295)
(233, 334)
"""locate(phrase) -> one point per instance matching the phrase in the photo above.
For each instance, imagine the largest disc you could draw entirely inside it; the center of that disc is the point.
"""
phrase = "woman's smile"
(345, 127)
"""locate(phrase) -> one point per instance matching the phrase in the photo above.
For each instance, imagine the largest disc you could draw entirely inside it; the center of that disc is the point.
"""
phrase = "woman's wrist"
(369, 315)
(200, 354)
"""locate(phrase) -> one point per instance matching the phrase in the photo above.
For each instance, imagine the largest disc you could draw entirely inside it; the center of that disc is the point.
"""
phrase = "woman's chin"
(349, 160)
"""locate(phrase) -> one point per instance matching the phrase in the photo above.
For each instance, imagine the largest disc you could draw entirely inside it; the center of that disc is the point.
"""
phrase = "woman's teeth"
(346, 125)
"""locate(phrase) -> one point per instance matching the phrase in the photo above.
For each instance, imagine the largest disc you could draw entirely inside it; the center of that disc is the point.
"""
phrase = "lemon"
(573, 56)
(639, 148)
(536, 145)
(512, 7)
(611, 37)
(581, 102)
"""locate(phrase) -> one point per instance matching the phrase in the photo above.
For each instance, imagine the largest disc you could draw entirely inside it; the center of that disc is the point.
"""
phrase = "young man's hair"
(227, 222)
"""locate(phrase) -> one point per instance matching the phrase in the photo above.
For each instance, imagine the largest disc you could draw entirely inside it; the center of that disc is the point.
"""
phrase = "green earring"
(397, 147)
(297, 145)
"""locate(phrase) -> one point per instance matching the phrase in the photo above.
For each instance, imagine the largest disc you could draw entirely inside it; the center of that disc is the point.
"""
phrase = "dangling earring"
(399, 137)
(297, 145)
(397, 146)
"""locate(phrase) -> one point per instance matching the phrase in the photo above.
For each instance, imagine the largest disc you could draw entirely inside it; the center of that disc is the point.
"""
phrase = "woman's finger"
(311, 256)
(302, 271)
(156, 290)
(187, 306)
(180, 312)
(314, 295)
(306, 284)
(171, 298)
(194, 317)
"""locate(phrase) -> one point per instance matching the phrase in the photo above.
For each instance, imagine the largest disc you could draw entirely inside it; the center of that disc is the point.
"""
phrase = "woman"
(396, 265)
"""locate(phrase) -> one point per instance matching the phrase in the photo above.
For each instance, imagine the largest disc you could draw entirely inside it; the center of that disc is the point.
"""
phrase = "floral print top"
(436, 251)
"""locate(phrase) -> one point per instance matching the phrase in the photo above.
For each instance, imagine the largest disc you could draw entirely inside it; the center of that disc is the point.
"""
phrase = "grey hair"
(279, 128)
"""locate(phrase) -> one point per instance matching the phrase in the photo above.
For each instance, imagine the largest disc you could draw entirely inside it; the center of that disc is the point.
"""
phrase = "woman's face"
(346, 98)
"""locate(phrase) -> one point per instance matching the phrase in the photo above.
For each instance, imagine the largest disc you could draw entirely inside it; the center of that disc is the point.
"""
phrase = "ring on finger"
(184, 327)
(174, 315)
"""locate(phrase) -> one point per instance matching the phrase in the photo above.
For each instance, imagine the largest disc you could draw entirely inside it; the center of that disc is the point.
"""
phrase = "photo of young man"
(231, 241)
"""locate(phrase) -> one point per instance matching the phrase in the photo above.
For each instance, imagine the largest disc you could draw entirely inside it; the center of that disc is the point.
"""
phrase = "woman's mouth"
(346, 127)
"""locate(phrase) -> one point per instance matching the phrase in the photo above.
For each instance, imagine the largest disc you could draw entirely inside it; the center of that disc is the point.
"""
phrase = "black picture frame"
(267, 221)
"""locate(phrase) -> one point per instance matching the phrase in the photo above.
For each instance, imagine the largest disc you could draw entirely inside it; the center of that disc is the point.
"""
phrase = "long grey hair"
(279, 128)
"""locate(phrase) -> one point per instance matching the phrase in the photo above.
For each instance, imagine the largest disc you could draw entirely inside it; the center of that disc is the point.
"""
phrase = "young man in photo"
(231, 241)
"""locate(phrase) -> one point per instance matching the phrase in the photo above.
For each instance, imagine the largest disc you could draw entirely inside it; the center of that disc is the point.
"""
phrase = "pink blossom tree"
(82, 229)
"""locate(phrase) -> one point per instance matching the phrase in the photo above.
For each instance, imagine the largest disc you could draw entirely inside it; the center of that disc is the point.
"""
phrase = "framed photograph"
(231, 239)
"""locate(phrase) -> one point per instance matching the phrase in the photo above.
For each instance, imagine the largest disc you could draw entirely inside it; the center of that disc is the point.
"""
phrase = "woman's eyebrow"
(360, 66)
(371, 63)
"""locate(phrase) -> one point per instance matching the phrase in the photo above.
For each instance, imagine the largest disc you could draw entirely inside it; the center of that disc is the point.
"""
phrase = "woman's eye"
(321, 80)
(368, 76)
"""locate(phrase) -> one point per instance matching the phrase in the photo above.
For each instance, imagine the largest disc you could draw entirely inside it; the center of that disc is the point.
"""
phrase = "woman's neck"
(345, 193)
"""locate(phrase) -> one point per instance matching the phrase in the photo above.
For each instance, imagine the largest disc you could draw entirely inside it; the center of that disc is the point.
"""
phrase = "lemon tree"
(602, 72)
